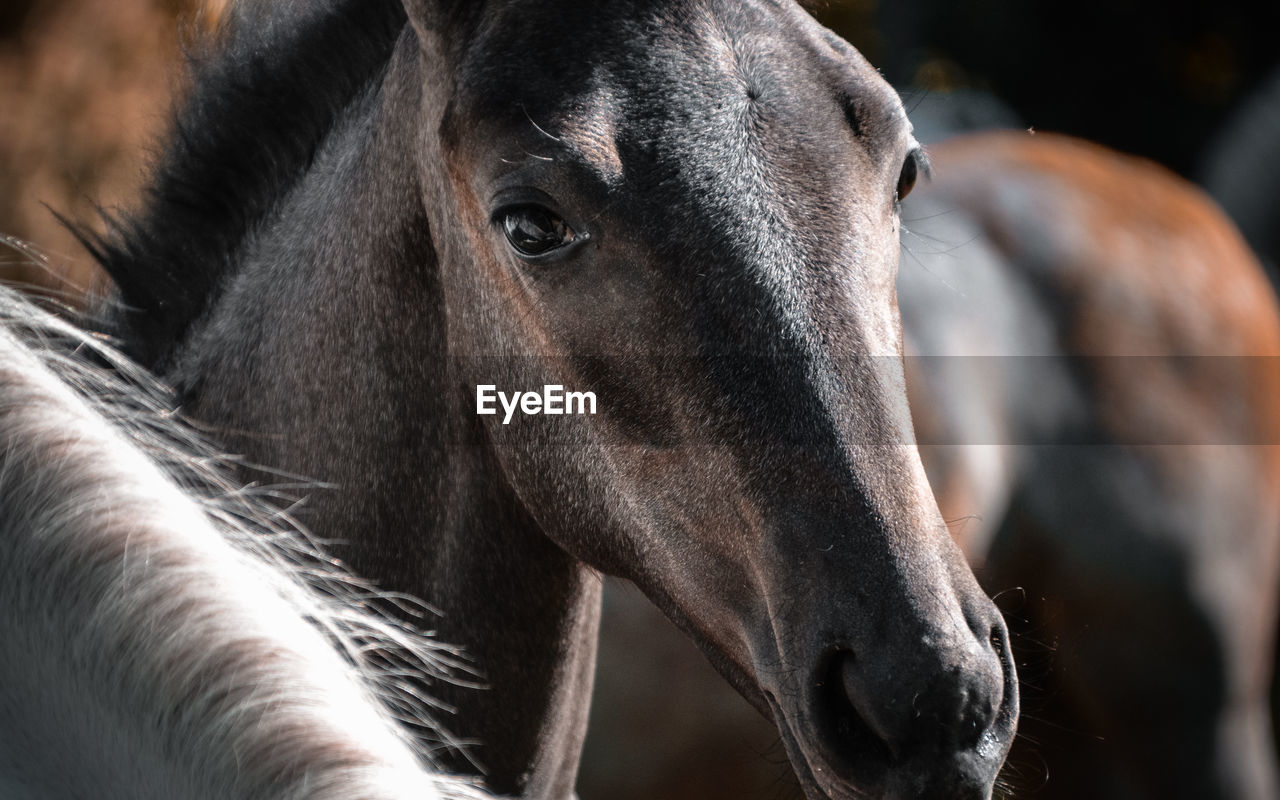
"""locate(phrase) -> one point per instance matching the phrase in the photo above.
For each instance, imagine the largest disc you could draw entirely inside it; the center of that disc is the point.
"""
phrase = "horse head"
(689, 209)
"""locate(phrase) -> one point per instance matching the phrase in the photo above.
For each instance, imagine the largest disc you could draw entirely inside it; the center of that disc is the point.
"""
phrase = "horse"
(1236, 169)
(368, 212)
(166, 634)
(1095, 382)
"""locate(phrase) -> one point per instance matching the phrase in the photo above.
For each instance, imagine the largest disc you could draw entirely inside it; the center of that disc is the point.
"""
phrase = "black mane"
(264, 93)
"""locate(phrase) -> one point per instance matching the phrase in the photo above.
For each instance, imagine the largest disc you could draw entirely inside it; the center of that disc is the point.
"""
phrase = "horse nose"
(949, 709)
(934, 700)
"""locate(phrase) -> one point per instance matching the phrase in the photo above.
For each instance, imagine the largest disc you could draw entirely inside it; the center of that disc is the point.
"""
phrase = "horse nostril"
(1003, 650)
(999, 640)
(943, 703)
(931, 714)
(853, 731)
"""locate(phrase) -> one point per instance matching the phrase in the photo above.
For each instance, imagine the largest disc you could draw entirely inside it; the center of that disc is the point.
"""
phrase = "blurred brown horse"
(1096, 400)
(1092, 376)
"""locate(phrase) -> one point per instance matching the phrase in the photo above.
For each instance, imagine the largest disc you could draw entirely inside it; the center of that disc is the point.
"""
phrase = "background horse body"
(367, 211)
(1097, 403)
(164, 642)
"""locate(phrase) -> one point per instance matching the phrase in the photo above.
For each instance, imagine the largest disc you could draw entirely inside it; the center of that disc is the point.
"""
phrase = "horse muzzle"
(917, 716)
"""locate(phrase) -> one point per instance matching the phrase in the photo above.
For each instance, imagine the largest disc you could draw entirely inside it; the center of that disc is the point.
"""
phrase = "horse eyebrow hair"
(575, 156)
(538, 127)
(528, 156)
(924, 161)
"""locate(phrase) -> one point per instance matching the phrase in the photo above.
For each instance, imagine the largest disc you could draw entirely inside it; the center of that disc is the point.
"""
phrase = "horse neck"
(326, 357)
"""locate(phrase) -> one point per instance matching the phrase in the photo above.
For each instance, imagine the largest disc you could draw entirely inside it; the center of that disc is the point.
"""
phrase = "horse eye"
(910, 171)
(535, 231)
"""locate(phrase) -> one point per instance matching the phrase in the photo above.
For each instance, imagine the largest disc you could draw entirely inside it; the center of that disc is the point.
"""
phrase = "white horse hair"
(165, 633)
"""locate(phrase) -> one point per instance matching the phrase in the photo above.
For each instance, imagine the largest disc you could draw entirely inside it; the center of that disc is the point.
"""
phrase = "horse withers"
(687, 208)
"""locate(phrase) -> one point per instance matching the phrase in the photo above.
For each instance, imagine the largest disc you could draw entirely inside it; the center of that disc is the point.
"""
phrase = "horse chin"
(841, 758)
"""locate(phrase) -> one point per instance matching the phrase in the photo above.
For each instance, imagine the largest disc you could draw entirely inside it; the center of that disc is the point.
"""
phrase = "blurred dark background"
(84, 90)
(1153, 78)
(85, 86)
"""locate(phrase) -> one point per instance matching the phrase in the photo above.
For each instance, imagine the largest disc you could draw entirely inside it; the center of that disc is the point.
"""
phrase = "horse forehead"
(527, 55)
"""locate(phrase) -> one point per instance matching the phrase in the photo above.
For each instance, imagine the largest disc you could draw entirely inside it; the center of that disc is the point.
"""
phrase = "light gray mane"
(166, 633)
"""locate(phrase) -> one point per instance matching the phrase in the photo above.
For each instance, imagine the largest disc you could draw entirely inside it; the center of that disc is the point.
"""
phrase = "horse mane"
(264, 91)
(171, 631)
